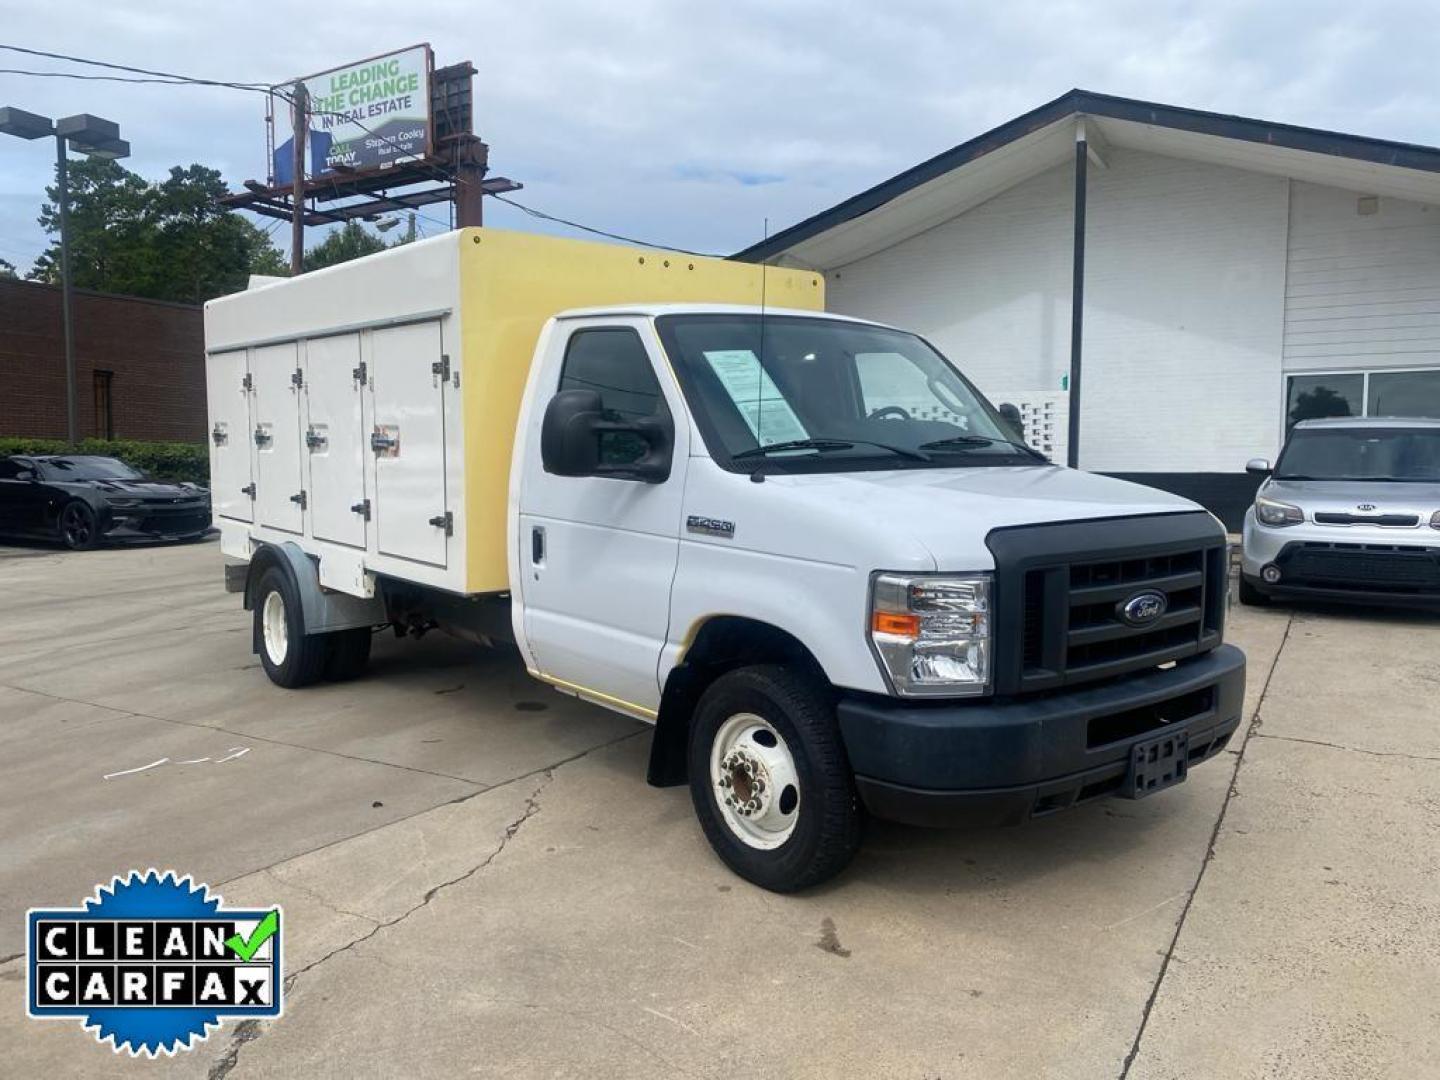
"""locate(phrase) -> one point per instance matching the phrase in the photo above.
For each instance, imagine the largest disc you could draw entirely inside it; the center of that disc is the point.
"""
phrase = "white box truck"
(804, 546)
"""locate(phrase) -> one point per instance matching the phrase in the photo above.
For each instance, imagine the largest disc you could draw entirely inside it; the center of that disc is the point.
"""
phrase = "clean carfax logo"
(150, 963)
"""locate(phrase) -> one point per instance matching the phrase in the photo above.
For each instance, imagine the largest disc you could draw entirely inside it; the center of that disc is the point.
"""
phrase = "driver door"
(597, 554)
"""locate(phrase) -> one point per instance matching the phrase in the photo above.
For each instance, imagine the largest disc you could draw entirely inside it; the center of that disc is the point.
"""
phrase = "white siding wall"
(1363, 289)
(1184, 305)
(990, 288)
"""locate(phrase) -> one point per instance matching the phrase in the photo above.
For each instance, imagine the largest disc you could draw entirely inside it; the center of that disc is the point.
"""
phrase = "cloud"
(691, 123)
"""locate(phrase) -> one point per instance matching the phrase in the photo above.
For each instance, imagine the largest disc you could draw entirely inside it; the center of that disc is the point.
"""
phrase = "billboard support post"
(297, 195)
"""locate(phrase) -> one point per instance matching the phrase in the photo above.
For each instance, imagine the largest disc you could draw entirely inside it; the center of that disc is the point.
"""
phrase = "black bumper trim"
(1290, 591)
(1005, 758)
(1014, 805)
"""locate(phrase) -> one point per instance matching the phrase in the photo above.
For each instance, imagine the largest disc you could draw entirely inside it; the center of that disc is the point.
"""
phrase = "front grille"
(1061, 590)
(1373, 567)
(1388, 521)
(174, 522)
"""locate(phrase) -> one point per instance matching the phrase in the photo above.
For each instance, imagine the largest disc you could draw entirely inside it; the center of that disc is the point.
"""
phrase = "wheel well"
(723, 643)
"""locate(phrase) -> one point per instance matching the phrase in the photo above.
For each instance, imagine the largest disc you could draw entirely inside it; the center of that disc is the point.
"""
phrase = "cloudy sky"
(690, 123)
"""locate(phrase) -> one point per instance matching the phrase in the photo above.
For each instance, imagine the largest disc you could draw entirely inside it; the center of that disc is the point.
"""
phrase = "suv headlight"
(1271, 512)
(931, 632)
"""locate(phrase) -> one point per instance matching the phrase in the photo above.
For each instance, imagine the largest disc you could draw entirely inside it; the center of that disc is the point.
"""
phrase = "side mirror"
(1258, 466)
(578, 439)
(1011, 415)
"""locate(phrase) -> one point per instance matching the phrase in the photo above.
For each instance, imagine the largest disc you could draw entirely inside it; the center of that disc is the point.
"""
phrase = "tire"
(78, 529)
(737, 719)
(290, 657)
(1250, 596)
(348, 654)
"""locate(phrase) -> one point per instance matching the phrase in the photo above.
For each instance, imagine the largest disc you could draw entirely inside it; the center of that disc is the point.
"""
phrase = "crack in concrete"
(245, 1033)
(457, 800)
(532, 806)
(13, 956)
(1251, 729)
(313, 895)
(1349, 749)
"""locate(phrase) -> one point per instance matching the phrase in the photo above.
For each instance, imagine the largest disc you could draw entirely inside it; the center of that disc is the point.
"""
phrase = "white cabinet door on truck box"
(596, 582)
(279, 484)
(335, 439)
(231, 436)
(408, 405)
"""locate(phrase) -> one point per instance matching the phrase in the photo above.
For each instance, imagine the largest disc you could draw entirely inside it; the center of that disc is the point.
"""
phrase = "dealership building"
(1187, 283)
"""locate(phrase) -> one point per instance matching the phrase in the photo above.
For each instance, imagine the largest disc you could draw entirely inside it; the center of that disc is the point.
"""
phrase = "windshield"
(86, 468)
(1361, 454)
(812, 393)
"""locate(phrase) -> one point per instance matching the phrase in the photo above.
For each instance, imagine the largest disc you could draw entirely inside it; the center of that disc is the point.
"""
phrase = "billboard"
(365, 116)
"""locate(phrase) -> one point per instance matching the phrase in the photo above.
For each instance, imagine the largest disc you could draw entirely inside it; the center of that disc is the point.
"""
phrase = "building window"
(1362, 393)
(104, 411)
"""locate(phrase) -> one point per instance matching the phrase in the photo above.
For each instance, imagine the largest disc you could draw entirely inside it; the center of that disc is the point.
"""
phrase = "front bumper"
(148, 524)
(1361, 563)
(1003, 761)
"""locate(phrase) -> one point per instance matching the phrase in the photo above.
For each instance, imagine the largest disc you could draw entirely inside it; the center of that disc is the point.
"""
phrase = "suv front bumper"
(1366, 563)
(1003, 761)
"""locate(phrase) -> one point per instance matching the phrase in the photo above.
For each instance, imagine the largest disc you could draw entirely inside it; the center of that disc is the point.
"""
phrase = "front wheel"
(78, 529)
(770, 781)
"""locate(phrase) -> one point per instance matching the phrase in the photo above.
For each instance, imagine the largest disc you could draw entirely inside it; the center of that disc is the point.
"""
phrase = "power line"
(94, 78)
(164, 75)
(599, 232)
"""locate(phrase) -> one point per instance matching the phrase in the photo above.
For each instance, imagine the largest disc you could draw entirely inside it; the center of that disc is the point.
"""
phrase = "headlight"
(931, 632)
(1435, 520)
(1271, 512)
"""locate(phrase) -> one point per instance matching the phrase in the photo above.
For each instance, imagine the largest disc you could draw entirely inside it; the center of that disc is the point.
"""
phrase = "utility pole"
(297, 190)
(62, 182)
(410, 229)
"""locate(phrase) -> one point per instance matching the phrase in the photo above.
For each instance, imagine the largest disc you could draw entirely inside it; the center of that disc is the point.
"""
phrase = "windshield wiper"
(958, 441)
(821, 444)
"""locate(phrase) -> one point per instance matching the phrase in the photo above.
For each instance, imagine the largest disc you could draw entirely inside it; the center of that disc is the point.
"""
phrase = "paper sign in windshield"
(763, 407)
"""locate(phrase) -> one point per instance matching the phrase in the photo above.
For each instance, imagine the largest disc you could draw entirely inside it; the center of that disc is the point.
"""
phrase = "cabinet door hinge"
(444, 521)
(360, 374)
(247, 383)
(441, 368)
(298, 379)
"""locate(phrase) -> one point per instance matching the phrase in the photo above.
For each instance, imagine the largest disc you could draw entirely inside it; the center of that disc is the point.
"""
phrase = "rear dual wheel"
(293, 658)
(770, 780)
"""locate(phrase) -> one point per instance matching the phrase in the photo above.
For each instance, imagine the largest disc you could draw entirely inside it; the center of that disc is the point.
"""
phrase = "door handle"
(537, 545)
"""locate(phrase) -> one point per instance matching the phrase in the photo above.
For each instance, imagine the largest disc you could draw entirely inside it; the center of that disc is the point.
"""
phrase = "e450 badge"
(151, 963)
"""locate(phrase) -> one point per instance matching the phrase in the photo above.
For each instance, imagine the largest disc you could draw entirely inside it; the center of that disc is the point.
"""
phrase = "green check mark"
(246, 948)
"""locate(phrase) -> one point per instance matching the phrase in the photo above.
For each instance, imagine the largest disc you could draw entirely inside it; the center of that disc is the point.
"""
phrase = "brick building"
(139, 365)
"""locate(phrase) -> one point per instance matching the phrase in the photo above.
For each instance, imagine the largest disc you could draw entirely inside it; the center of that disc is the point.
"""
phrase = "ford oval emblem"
(1143, 608)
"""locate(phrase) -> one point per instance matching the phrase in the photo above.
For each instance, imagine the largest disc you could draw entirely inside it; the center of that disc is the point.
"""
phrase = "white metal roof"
(973, 172)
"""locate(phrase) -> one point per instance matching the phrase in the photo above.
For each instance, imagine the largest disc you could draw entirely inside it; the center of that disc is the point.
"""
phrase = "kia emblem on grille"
(1365, 508)
(1143, 608)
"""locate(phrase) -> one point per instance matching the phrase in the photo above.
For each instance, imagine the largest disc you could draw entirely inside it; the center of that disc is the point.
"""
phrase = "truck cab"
(805, 547)
(812, 552)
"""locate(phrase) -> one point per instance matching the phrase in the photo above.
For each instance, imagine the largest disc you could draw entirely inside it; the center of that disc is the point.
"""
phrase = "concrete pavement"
(477, 880)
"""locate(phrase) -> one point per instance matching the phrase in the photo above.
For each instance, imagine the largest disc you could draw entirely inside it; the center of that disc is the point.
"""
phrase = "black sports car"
(83, 501)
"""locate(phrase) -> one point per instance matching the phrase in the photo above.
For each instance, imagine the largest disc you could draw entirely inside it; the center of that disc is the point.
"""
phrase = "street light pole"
(62, 182)
(97, 138)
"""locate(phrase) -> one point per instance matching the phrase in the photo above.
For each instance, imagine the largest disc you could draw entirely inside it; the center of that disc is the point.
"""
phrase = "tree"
(168, 241)
(7, 269)
(350, 241)
(1318, 403)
